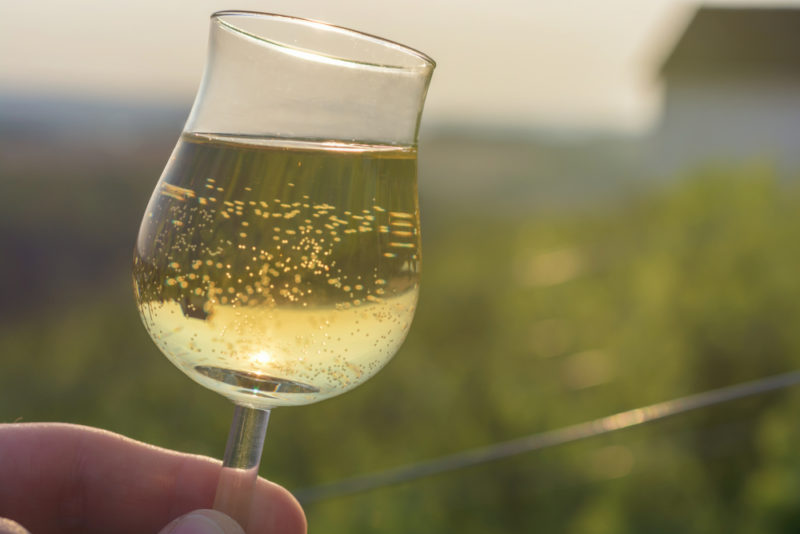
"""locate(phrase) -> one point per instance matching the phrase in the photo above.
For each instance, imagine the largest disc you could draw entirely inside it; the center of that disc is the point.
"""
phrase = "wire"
(543, 440)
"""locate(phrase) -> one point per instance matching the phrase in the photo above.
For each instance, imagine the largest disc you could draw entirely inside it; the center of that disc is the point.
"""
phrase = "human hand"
(60, 478)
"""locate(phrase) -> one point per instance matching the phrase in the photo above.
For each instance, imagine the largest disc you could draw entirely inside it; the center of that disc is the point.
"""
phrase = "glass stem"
(240, 464)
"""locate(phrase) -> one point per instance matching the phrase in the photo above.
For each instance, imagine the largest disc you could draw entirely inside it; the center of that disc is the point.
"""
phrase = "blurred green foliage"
(526, 323)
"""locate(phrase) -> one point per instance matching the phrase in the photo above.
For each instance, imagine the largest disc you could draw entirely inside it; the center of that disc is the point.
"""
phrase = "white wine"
(280, 272)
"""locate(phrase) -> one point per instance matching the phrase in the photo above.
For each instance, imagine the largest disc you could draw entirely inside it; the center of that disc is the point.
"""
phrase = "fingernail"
(195, 523)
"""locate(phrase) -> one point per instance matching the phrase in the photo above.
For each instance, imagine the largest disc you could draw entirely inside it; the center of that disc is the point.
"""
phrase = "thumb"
(8, 526)
(203, 522)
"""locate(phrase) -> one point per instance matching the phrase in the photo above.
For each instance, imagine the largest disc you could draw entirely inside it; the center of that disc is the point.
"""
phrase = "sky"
(571, 64)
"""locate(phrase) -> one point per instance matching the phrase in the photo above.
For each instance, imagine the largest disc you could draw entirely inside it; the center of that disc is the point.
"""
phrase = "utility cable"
(543, 440)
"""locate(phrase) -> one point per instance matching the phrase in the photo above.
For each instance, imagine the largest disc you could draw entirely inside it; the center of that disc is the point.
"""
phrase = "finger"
(203, 522)
(67, 478)
(8, 526)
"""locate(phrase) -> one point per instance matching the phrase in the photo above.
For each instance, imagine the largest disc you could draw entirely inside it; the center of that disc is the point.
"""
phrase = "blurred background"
(611, 218)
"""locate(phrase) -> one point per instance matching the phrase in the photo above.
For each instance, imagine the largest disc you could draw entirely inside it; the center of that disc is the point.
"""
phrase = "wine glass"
(278, 259)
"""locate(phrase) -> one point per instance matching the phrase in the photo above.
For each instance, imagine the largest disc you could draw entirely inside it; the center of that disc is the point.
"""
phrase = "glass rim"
(428, 62)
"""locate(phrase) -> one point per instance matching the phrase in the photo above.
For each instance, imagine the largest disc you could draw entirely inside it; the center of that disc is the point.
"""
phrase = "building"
(732, 90)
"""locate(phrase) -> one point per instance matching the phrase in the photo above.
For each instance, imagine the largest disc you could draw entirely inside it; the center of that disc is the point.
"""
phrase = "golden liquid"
(280, 273)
